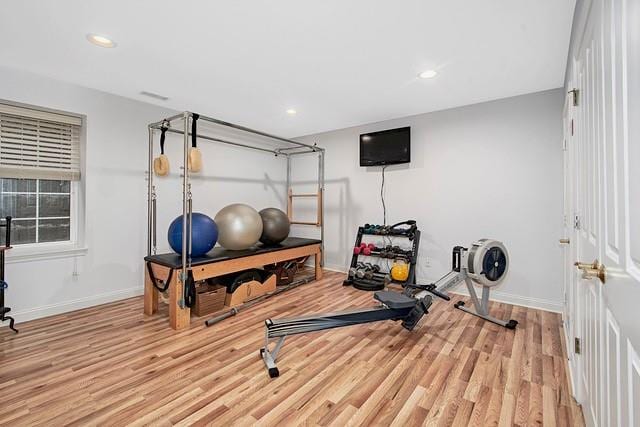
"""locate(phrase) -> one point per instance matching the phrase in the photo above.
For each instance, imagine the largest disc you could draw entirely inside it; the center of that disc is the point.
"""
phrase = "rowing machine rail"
(393, 306)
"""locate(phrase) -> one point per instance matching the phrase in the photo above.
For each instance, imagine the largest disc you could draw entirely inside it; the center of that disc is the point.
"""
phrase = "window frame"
(76, 245)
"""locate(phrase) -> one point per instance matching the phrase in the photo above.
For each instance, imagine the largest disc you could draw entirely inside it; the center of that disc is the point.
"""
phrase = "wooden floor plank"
(112, 365)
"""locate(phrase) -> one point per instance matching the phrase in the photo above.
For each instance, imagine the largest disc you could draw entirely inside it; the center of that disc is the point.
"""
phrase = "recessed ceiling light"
(101, 41)
(428, 74)
(291, 112)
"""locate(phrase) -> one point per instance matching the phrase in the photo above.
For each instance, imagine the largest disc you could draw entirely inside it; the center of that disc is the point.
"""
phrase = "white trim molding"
(497, 296)
(44, 251)
(76, 304)
(530, 302)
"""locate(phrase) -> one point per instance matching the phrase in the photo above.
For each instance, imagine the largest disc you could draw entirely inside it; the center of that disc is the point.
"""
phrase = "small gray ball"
(275, 226)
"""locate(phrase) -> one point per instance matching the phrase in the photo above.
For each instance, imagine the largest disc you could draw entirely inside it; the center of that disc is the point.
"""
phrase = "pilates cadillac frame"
(182, 124)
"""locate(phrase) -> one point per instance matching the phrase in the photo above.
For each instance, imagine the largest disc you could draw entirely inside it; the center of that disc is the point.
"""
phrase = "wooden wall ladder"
(317, 195)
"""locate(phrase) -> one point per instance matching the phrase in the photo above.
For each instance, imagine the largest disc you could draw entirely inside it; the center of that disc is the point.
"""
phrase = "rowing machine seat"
(394, 300)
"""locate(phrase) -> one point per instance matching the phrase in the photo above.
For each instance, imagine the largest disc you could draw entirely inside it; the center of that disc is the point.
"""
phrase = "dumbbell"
(367, 250)
(353, 270)
(368, 271)
(364, 249)
(365, 269)
(383, 277)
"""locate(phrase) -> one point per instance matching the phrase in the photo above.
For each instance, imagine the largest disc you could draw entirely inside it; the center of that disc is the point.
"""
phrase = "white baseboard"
(538, 303)
(531, 302)
(336, 268)
(76, 304)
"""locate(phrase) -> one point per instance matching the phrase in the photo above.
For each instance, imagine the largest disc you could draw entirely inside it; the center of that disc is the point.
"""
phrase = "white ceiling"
(337, 62)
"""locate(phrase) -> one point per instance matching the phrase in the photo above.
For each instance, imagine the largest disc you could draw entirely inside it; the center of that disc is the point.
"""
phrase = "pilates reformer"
(194, 128)
(485, 264)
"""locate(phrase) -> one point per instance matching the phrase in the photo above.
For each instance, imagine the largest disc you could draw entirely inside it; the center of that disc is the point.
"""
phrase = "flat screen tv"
(387, 147)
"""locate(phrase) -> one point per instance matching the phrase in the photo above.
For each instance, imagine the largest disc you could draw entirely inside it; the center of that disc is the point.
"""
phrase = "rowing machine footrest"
(511, 324)
(394, 300)
(419, 310)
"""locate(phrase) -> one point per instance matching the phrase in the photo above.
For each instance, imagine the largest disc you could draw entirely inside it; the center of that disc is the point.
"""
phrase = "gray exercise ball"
(239, 226)
(275, 226)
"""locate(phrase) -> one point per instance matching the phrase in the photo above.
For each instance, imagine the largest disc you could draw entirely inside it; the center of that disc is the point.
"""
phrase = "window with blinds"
(39, 162)
(38, 144)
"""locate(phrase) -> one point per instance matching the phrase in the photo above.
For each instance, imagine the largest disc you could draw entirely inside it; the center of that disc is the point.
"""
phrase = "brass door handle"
(564, 241)
(593, 270)
(584, 266)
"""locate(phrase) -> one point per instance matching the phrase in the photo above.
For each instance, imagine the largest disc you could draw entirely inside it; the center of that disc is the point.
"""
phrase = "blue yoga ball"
(204, 234)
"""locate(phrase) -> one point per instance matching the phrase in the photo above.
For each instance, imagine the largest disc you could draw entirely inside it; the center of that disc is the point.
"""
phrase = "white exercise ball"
(239, 226)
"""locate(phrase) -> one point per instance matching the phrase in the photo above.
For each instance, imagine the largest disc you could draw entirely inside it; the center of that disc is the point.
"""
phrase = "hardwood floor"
(113, 365)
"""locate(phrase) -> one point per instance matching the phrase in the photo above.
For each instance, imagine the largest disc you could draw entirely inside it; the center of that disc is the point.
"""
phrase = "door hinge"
(574, 95)
(576, 222)
(576, 345)
(571, 127)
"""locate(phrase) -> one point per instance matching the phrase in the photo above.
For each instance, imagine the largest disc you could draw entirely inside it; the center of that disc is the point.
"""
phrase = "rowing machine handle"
(439, 294)
(432, 290)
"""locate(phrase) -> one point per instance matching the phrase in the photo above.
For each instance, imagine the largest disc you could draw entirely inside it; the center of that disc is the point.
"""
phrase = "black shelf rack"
(406, 229)
(6, 224)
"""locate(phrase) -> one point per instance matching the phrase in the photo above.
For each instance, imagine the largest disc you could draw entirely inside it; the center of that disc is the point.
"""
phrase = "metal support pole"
(321, 201)
(150, 223)
(154, 240)
(224, 141)
(185, 197)
(167, 120)
(256, 132)
(286, 192)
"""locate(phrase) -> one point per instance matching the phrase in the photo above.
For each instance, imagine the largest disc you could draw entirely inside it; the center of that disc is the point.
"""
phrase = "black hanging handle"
(194, 129)
(163, 131)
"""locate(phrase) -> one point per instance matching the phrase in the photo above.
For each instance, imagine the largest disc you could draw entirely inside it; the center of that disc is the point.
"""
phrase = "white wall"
(486, 170)
(116, 161)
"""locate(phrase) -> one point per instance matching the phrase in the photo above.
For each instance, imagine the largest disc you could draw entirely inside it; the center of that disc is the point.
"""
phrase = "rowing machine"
(486, 263)
(408, 307)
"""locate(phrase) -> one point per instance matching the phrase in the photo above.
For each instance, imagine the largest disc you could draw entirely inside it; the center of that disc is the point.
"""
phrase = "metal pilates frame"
(292, 148)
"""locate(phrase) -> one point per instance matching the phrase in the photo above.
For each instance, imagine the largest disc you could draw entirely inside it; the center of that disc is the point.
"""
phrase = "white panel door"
(604, 192)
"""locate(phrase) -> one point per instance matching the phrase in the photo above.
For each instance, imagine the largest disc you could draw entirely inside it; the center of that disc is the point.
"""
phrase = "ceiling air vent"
(153, 95)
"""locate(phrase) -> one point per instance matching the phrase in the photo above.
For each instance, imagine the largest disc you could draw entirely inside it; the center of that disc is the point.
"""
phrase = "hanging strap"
(163, 131)
(189, 291)
(194, 129)
(165, 285)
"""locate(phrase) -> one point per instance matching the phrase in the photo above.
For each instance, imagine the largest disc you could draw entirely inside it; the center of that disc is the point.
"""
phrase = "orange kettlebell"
(400, 270)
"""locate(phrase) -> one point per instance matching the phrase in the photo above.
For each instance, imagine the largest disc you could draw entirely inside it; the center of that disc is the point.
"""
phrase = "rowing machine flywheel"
(487, 262)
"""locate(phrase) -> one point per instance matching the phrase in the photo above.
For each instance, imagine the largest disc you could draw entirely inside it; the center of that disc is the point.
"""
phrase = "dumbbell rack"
(412, 234)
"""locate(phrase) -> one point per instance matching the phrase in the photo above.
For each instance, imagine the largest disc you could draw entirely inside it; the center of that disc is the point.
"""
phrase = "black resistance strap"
(154, 280)
(194, 129)
(163, 131)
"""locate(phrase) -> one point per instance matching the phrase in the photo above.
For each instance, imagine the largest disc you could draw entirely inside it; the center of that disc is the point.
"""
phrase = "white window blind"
(39, 145)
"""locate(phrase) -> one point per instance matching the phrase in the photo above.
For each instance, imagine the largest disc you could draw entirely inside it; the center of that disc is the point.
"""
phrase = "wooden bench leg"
(179, 318)
(318, 257)
(150, 295)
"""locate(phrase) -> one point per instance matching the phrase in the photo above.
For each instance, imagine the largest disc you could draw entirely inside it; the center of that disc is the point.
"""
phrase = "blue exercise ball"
(204, 234)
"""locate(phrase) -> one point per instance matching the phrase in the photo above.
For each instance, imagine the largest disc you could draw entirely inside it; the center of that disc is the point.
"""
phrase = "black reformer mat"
(218, 254)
